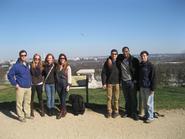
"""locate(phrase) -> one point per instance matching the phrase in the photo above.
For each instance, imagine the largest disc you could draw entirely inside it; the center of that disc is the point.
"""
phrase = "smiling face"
(62, 60)
(126, 53)
(50, 59)
(144, 57)
(37, 59)
(23, 56)
(114, 55)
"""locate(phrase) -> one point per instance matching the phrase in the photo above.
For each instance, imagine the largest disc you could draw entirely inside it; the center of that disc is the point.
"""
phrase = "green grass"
(170, 98)
(165, 97)
(7, 94)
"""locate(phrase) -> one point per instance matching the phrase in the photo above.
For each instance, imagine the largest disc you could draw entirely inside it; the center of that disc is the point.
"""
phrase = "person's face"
(126, 53)
(37, 59)
(50, 59)
(62, 60)
(144, 57)
(23, 56)
(114, 55)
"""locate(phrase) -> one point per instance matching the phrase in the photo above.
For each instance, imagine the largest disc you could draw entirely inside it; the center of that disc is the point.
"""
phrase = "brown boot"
(62, 113)
(59, 116)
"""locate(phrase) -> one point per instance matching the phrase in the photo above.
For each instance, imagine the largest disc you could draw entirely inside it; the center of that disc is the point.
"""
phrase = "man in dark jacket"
(110, 81)
(129, 71)
(147, 81)
(19, 76)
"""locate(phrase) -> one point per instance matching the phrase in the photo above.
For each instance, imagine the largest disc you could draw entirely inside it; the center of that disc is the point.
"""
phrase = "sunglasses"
(62, 58)
(23, 55)
(36, 58)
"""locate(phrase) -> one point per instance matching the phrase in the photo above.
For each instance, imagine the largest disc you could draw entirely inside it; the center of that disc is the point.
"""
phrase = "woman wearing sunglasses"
(63, 82)
(37, 83)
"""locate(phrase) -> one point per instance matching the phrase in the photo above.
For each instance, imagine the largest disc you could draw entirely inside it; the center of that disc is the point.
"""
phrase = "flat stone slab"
(85, 71)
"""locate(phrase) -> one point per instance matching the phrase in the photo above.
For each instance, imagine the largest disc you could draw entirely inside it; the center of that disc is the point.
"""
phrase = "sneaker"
(29, 117)
(148, 121)
(144, 118)
(114, 115)
(108, 115)
(21, 119)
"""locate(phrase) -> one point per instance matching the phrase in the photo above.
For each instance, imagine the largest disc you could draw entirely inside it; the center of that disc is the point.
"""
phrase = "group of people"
(30, 78)
(119, 69)
(133, 76)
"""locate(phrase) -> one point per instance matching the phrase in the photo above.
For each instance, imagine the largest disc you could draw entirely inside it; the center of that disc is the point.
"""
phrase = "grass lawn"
(165, 97)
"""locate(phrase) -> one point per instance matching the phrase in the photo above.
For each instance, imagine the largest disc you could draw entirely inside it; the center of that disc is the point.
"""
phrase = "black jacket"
(52, 76)
(133, 66)
(147, 75)
(110, 74)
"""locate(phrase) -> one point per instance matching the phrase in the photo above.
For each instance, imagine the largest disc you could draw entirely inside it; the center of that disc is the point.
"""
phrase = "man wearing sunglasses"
(19, 76)
(110, 82)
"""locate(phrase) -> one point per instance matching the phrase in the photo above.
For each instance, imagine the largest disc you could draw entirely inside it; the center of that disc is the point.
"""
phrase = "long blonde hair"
(40, 64)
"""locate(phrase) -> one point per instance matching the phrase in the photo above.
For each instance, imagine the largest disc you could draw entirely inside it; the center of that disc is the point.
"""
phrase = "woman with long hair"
(63, 82)
(49, 80)
(37, 83)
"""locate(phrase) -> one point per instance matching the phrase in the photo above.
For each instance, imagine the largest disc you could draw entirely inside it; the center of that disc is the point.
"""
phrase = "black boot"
(49, 112)
(53, 111)
(42, 113)
(32, 110)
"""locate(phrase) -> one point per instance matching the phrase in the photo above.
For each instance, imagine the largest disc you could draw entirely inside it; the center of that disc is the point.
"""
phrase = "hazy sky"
(91, 27)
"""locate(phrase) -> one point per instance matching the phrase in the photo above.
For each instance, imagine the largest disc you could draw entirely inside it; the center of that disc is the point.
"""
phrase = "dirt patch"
(93, 125)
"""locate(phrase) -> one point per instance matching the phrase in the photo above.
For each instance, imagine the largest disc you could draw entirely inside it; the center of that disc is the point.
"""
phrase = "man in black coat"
(129, 71)
(110, 82)
(147, 82)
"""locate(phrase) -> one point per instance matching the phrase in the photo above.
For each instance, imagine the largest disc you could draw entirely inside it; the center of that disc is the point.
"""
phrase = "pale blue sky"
(91, 27)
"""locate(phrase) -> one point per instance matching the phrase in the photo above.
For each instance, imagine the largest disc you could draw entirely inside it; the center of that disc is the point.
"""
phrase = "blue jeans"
(148, 102)
(50, 93)
(130, 95)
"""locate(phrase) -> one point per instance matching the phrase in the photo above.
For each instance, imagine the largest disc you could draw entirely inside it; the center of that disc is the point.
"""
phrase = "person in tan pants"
(23, 99)
(20, 77)
(110, 81)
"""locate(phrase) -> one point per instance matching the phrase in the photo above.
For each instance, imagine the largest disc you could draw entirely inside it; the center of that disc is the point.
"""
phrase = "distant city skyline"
(91, 28)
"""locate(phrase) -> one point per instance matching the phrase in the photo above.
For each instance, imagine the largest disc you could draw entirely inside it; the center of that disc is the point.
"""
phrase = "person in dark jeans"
(37, 83)
(129, 71)
(63, 83)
